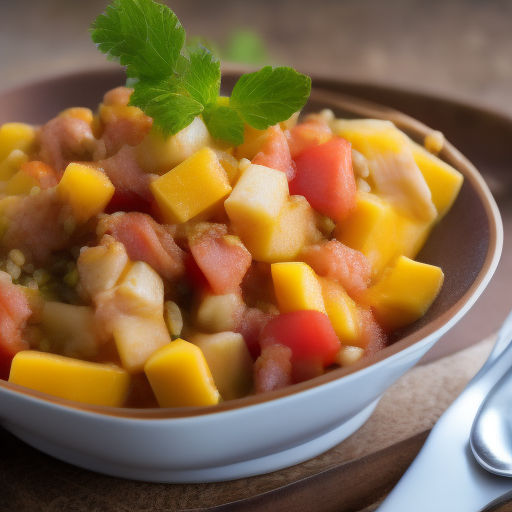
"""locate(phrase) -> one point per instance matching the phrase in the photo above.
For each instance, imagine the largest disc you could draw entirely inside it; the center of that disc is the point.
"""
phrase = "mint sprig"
(174, 82)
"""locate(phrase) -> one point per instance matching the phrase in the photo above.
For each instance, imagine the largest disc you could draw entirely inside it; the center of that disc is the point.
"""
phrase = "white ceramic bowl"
(262, 433)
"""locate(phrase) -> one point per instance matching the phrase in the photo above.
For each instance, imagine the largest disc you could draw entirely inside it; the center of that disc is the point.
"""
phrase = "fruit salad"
(144, 269)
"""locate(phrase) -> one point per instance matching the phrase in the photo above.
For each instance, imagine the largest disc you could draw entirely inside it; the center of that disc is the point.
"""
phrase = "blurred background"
(454, 48)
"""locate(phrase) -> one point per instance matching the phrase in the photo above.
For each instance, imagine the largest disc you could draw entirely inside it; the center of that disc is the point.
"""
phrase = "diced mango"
(16, 136)
(342, 312)
(141, 289)
(20, 184)
(157, 154)
(138, 338)
(443, 180)
(86, 189)
(229, 361)
(297, 287)
(196, 186)
(100, 267)
(72, 379)
(382, 234)
(180, 377)
(404, 293)
(11, 165)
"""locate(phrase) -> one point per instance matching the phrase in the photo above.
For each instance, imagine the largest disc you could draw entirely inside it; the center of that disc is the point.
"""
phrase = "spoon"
(491, 434)
(445, 475)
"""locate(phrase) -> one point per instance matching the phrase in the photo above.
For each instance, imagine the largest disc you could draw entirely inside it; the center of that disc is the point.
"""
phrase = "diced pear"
(218, 313)
(138, 338)
(157, 154)
(173, 318)
(16, 136)
(11, 165)
(180, 377)
(72, 379)
(258, 197)
(86, 189)
(404, 293)
(100, 267)
(194, 187)
(141, 289)
(229, 361)
(69, 329)
(297, 287)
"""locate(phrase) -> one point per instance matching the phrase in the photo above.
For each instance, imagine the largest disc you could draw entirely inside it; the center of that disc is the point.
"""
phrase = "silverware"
(445, 475)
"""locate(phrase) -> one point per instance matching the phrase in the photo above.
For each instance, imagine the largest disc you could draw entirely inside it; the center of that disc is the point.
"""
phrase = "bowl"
(263, 433)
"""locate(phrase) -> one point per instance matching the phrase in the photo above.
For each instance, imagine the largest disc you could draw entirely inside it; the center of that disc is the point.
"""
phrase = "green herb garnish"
(174, 81)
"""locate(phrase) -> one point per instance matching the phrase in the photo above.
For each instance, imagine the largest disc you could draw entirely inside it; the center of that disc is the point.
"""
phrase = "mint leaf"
(143, 35)
(224, 123)
(165, 102)
(269, 96)
(202, 78)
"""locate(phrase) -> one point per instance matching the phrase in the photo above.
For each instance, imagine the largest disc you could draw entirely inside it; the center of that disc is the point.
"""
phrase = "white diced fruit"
(229, 361)
(157, 154)
(69, 329)
(100, 267)
(258, 196)
(217, 313)
(141, 290)
(138, 338)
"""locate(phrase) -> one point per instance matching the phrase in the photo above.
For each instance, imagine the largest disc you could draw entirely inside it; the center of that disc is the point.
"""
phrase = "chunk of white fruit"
(100, 267)
(229, 361)
(218, 313)
(157, 154)
(138, 338)
(141, 290)
(69, 329)
(348, 355)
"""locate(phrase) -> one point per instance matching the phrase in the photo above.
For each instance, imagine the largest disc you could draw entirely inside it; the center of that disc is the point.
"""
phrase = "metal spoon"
(491, 434)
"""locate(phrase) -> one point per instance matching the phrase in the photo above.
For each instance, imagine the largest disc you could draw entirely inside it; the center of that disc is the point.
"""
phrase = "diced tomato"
(325, 178)
(305, 135)
(145, 240)
(336, 261)
(273, 369)
(275, 153)
(309, 335)
(14, 312)
(223, 259)
(43, 173)
(373, 338)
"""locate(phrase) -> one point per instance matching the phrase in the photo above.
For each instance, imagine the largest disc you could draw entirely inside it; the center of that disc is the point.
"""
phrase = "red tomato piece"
(275, 153)
(223, 259)
(304, 135)
(14, 312)
(309, 335)
(325, 178)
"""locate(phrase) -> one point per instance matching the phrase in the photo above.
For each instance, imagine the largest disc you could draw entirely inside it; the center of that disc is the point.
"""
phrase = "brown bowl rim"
(417, 130)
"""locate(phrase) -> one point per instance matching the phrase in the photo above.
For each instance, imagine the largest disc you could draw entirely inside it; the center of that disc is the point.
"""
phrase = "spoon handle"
(445, 475)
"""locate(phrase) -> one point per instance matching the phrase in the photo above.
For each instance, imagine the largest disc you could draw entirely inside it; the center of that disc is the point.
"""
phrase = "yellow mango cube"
(443, 180)
(194, 187)
(15, 136)
(380, 232)
(20, 184)
(297, 287)
(72, 379)
(229, 361)
(86, 189)
(137, 338)
(11, 165)
(342, 311)
(404, 293)
(180, 377)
